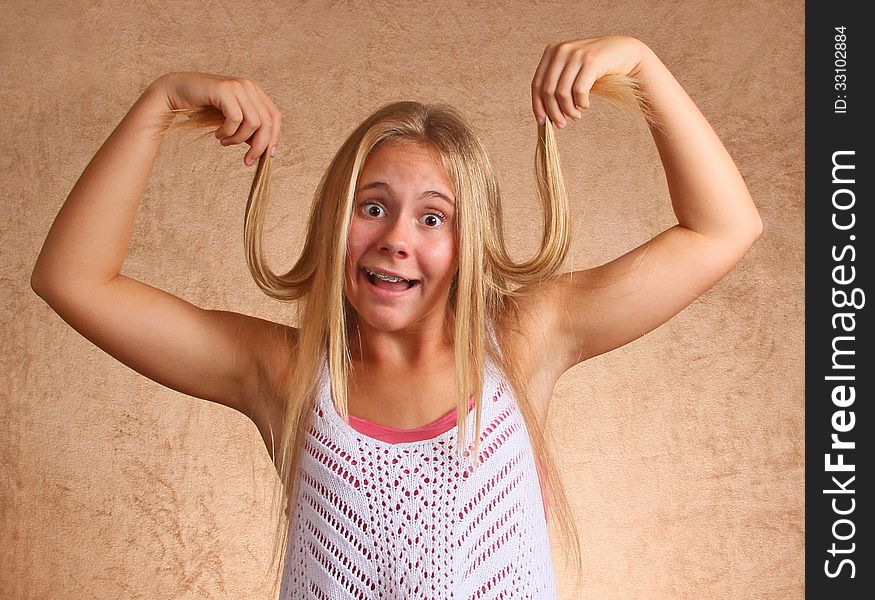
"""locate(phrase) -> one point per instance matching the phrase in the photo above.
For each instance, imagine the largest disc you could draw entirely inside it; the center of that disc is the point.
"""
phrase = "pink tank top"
(428, 431)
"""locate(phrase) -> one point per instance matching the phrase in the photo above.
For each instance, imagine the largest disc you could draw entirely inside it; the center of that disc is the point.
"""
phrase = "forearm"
(88, 240)
(707, 192)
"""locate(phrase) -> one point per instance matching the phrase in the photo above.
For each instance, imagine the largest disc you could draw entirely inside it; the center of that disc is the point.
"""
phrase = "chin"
(384, 322)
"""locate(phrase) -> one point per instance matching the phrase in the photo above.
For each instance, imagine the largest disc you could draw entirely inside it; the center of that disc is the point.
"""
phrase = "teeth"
(385, 277)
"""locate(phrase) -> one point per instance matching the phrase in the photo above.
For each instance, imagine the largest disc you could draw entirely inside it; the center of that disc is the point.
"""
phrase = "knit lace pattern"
(375, 520)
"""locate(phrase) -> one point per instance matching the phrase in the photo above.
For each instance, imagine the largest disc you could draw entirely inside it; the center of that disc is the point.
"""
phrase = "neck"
(403, 349)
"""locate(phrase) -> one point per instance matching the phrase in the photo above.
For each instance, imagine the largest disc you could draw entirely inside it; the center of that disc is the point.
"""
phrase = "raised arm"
(589, 312)
(215, 355)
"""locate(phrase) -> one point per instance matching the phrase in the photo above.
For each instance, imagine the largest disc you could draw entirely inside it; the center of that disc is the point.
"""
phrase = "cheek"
(357, 241)
(441, 258)
(354, 249)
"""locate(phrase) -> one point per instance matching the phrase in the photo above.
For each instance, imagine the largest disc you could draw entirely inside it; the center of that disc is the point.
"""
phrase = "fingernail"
(541, 120)
(273, 151)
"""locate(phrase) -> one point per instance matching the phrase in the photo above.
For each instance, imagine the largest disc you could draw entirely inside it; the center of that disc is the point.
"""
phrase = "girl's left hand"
(568, 70)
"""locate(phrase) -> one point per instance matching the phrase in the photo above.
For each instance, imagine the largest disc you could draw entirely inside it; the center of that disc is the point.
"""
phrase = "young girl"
(405, 414)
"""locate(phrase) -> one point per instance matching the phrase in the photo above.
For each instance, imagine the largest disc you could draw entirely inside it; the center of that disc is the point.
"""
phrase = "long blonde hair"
(484, 290)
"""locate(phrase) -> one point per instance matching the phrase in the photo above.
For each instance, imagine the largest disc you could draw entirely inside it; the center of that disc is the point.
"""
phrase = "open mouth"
(388, 282)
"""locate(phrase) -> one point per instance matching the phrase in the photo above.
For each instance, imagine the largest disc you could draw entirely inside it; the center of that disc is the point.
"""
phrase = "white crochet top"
(376, 520)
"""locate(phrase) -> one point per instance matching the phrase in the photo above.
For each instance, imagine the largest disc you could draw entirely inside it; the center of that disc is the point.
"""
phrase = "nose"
(395, 241)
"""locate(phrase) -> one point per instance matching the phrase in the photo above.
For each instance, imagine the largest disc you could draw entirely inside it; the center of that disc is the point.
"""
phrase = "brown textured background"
(683, 450)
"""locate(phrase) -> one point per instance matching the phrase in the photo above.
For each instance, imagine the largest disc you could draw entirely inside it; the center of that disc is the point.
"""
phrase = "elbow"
(36, 283)
(748, 224)
(749, 229)
(757, 223)
(39, 276)
(39, 285)
(748, 235)
(740, 236)
(737, 240)
(756, 228)
(42, 282)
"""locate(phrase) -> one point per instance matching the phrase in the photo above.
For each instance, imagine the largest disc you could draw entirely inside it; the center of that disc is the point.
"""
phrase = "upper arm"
(220, 356)
(589, 312)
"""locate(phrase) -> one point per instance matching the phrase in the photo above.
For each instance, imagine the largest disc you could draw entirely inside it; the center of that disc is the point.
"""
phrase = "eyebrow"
(385, 186)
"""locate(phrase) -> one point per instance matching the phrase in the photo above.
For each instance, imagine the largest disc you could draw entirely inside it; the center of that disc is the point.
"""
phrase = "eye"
(433, 220)
(372, 209)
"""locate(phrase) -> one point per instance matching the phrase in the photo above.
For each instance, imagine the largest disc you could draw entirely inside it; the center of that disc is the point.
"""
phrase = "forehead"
(404, 162)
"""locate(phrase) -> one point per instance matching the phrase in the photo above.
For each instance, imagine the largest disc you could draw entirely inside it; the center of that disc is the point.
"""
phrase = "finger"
(276, 117)
(251, 119)
(549, 86)
(583, 85)
(230, 107)
(260, 141)
(564, 89)
(256, 127)
(537, 83)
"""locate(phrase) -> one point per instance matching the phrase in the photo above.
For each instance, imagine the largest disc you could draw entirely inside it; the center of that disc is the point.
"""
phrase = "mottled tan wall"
(683, 450)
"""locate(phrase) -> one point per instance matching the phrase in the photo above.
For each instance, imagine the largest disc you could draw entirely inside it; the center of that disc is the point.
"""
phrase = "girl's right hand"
(250, 115)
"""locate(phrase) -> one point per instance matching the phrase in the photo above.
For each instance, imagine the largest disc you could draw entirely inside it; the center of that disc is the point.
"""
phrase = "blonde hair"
(484, 290)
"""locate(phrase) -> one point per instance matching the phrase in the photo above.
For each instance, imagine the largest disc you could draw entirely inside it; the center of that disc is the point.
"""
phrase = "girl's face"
(402, 242)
